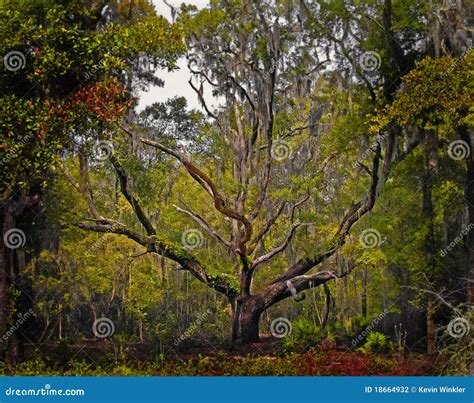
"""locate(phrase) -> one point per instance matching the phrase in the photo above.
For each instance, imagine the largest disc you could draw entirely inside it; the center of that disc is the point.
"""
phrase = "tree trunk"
(430, 326)
(431, 169)
(469, 195)
(245, 321)
(364, 293)
(11, 349)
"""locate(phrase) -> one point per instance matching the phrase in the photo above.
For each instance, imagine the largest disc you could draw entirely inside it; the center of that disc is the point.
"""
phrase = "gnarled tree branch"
(165, 249)
(356, 212)
(130, 198)
(204, 224)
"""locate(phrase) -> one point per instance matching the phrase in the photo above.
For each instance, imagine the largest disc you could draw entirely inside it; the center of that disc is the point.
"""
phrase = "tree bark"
(431, 168)
(364, 293)
(11, 349)
(245, 322)
(430, 325)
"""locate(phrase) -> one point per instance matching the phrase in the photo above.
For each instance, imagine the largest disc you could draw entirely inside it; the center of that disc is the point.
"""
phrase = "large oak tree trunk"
(245, 322)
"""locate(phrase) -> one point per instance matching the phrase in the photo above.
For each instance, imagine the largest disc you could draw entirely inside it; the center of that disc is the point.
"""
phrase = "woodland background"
(312, 217)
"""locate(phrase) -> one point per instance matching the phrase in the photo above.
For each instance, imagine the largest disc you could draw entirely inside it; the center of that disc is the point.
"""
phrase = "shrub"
(304, 334)
(374, 343)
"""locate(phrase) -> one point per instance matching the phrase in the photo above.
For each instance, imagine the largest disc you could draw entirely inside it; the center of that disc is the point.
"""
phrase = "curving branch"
(201, 99)
(272, 221)
(294, 292)
(210, 187)
(268, 225)
(200, 73)
(356, 212)
(130, 198)
(156, 245)
(204, 224)
(278, 249)
(280, 291)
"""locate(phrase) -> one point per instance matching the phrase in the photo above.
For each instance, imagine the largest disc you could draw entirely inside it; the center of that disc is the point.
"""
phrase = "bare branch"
(268, 225)
(272, 221)
(204, 224)
(356, 212)
(201, 100)
(294, 292)
(131, 200)
(211, 188)
(279, 248)
(163, 248)
(200, 73)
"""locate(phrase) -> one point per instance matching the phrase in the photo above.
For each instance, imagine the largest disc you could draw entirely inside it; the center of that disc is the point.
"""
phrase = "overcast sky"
(176, 83)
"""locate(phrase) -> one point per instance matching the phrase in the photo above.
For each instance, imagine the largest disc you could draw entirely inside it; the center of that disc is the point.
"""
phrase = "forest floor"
(261, 359)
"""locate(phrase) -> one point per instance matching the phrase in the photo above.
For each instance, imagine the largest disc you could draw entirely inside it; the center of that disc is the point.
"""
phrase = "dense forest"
(311, 214)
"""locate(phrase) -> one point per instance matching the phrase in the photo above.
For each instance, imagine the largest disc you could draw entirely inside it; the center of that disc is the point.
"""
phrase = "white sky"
(176, 82)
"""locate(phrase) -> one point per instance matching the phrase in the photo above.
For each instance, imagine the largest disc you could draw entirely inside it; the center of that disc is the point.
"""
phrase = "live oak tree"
(268, 161)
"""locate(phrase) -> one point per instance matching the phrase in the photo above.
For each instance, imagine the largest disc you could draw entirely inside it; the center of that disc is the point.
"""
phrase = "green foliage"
(374, 343)
(304, 334)
(59, 53)
(311, 363)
